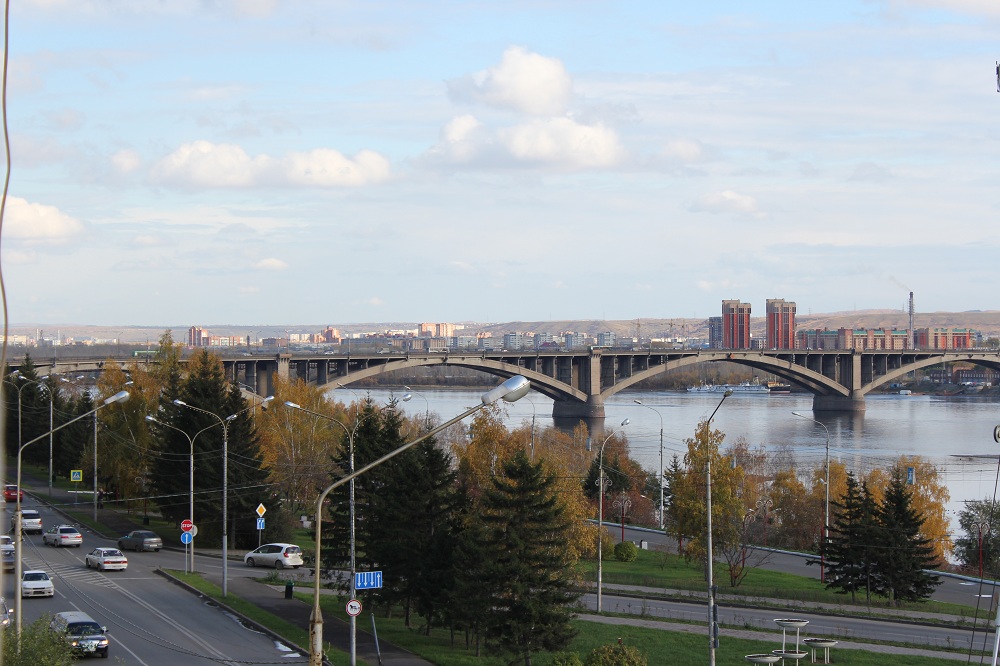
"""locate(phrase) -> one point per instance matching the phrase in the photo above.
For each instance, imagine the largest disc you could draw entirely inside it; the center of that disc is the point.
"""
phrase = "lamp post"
(121, 396)
(350, 432)
(624, 503)
(826, 506)
(713, 624)
(602, 484)
(427, 405)
(980, 527)
(17, 375)
(510, 391)
(189, 564)
(642, 404)
(225, 481)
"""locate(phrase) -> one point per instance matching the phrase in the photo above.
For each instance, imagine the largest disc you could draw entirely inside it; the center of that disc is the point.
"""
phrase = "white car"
(277, 555)
(63, 535)
(36, 583)
(6, 540)
(106, 559)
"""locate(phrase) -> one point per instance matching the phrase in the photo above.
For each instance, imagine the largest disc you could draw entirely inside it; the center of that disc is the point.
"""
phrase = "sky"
(251, 162)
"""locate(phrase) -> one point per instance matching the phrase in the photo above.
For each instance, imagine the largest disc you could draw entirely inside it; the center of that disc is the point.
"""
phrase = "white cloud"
(146, 240)
(727, 201)
(981, 7)
(375, 300)
(126, 161)
(249, 290)
(563, 142)
(271, 264)
(684, 150)
(523, 82)
(38, 222)
(202, 164)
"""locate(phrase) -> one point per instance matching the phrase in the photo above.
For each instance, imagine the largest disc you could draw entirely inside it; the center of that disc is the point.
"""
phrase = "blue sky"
(266, 161)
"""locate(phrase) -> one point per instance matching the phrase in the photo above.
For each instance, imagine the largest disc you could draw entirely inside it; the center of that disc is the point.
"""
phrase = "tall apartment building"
(944, 338)
(436, 330)
(573, 340)
(197, 337)
(543, 340)
(735, 325)
(780, 324)
(607, 339)
(715, 332)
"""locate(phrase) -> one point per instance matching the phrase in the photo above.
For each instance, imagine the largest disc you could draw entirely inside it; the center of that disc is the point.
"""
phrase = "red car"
(12, 494)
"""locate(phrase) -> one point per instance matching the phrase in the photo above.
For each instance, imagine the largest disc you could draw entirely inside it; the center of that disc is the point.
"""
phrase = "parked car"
(140, 540)
(6, 540)
(8, 557)
(63, 535)
(12, 494)
(36, 583)
(4, 614)
(106, 559)
(83, 634)
(31, 521)
(277, 555)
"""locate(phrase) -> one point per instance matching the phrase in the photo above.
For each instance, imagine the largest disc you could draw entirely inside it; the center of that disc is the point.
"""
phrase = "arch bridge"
(579, 382)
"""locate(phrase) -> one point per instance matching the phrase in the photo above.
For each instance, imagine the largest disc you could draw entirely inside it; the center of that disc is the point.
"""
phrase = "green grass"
(665, 570)
(660, 646)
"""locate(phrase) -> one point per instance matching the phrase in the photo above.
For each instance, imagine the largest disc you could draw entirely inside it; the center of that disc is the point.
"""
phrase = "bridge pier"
(838, 403)
(574, 409)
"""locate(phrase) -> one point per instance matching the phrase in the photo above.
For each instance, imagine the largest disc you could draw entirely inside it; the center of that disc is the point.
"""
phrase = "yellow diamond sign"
(261, 510)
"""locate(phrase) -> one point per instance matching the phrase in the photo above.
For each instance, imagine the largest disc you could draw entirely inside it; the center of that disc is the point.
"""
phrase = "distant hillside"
(987, 321)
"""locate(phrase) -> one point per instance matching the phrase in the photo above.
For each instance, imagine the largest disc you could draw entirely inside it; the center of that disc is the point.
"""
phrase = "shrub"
(566, 659)
(615, 655)
(626, 551)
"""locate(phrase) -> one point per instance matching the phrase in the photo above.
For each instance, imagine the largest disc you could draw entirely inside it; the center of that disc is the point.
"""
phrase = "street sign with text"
(186, 525)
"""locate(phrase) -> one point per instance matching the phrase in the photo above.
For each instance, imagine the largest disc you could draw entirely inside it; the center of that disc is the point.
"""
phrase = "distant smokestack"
(913, 336)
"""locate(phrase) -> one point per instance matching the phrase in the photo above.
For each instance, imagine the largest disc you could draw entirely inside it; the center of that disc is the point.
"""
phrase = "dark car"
(141, 540)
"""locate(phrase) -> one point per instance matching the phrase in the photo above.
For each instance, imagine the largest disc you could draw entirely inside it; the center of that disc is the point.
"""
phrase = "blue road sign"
(260, 523)
(186, 538)
(367, 580)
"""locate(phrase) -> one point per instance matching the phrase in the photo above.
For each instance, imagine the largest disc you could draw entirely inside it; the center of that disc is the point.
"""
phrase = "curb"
(243, 618)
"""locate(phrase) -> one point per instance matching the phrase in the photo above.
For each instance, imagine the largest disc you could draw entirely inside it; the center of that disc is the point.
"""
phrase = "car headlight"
(74, 642)
(103, 642)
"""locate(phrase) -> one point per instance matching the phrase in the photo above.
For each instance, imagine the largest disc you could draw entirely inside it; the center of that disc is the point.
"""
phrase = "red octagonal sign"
(186, 525)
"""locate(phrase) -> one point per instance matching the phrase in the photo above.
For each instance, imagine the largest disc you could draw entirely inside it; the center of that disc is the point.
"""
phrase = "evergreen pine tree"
(903, 555)
(848, 550)
(528, 574)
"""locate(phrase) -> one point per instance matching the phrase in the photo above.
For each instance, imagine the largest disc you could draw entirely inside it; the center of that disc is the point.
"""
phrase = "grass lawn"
(659, 646)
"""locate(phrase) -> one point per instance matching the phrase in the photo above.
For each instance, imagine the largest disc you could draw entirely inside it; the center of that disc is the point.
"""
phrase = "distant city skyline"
(495, 161)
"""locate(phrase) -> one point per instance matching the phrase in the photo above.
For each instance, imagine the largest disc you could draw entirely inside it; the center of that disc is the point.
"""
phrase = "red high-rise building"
(780, 324)
(735, 325)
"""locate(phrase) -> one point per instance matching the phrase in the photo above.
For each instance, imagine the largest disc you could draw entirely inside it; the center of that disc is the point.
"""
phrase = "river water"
(955, 433)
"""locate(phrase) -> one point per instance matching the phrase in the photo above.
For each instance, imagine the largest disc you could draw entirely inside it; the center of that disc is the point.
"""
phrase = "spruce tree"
(528, 575)
(904, 554)
(848, 548)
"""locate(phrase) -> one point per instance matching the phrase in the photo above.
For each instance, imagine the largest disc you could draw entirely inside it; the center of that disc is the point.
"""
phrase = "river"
(954, 433)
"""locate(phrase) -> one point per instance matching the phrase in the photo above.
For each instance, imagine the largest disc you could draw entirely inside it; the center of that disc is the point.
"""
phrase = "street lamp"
(189, 564)
(602, 484)
(510, 391)
(826, 509)
(713, 624)
(980, 527)
(642, 404)
(121, 396)
(351, 432)
(225, 480)
(17, 375)
(624, 503)
(427, 405)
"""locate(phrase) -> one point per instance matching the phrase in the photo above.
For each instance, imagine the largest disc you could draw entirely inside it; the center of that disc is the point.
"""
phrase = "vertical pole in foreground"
(711, 585)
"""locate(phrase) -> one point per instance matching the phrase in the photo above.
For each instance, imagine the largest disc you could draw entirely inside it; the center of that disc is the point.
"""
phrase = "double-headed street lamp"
(713, 624)
(41, 384)
(427, 405)
(510, 391)
(350, 432)
(121, 396)
(642, 404)
(826, 509)
(225, 481)
(602, 484)
(189, 564)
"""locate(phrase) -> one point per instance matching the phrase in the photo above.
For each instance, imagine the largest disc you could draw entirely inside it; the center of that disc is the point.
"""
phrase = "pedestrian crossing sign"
(76, 475)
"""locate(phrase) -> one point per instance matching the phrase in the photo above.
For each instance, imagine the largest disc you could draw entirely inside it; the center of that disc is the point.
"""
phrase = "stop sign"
(186, 525)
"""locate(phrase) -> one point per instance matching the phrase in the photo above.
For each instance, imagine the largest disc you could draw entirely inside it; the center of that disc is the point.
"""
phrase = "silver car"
(277, 555)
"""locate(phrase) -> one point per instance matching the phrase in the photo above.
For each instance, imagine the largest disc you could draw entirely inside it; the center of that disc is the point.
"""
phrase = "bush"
(566, 659)
(626, 551)
(615, 655)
